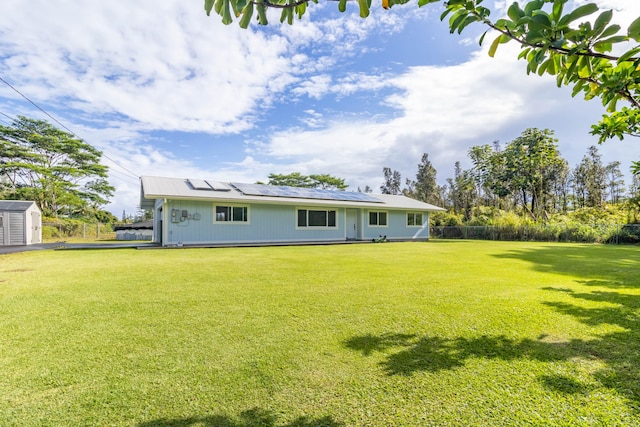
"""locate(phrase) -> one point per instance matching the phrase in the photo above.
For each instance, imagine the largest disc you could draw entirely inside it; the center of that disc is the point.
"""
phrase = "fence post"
(84, 230)
(97, 231)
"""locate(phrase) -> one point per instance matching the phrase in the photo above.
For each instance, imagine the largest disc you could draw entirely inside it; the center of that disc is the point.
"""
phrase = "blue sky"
(164, 90)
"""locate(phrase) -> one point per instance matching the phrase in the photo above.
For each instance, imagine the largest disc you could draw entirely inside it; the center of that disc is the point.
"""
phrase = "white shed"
(20, 223)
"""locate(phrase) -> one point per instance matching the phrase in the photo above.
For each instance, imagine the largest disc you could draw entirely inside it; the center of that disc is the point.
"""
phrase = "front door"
(352, 224)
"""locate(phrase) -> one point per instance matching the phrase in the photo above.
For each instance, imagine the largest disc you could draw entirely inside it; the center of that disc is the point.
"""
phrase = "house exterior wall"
(189, 222)
(396, 228)
(266, 223)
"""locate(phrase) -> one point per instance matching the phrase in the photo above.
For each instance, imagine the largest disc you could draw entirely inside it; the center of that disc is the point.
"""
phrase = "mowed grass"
(442, 333)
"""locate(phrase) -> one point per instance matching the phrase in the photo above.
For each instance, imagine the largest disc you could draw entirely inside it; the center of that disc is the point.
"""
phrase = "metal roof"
(153, 188)
(15, 205)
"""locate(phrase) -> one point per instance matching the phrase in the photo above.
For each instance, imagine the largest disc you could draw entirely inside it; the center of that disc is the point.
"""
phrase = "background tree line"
(527, 177)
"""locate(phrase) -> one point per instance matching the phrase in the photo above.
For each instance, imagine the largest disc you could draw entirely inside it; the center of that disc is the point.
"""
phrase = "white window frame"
(422, 216)
(377, 212)
(315, 227)
(232, 206)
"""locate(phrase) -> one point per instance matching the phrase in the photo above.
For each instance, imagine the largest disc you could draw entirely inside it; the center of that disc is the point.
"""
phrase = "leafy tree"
(462, 191)
(5, 187)
(591, 180)
(392, 181)
(615, 181)
(105, 217)
(328, 182)
(562, 187)
(294, 179)
(532, 163)
(634, 189)
(426, 186)
(366, 189)
(481, 158)
(60, 172)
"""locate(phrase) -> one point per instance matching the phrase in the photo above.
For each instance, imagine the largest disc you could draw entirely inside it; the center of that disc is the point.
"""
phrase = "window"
(378, 219)
(232, 214)
(414, 219)
(316, 218)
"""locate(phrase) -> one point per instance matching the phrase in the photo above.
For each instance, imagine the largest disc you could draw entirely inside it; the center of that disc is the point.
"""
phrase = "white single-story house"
(202, 212)
(142, 230)
(20, 223)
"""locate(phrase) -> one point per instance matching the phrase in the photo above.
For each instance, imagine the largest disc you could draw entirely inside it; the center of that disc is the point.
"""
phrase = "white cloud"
(164, 65)
(444, 111)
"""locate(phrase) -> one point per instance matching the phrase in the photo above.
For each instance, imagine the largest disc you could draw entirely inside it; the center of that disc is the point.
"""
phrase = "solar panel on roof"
(303, 193)
(218, 186)
(199, 184)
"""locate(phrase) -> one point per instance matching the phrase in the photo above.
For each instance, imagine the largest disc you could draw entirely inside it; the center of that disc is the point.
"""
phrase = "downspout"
(165, 226)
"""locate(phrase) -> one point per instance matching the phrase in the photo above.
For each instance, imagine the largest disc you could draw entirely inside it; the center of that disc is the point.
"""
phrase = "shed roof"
(179, 188)
(15, 205)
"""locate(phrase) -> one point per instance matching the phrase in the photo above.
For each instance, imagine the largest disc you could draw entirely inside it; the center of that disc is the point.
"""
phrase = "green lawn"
(442, 333)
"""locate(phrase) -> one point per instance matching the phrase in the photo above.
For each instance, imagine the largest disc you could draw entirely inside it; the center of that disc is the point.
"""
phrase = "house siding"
(266, 223)
(396, 228)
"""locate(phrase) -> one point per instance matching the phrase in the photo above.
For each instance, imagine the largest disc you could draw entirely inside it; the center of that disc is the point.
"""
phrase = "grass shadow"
(367, 344)
(432, 354)
(564, 384)
(593, 267)
(255, 417)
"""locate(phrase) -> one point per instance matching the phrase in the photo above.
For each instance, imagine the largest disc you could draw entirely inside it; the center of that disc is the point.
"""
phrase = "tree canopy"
(296, 179)
(58, 171)
(575, 46)
(527, 177)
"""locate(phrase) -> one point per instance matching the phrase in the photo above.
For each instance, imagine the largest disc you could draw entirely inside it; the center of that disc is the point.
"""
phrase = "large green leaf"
(247, 13)
(578, 13)
(634, 30)
(423, 2)
(364, 7)
(494, 46)
(629, 54)
(531, 6)
(558, 6)
(208, 5)
(514, 12)
(611, 30)
(603, 19)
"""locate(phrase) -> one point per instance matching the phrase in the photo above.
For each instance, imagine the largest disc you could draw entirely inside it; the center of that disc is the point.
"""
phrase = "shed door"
(16, 229)
(36, 233)
(4, 235)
